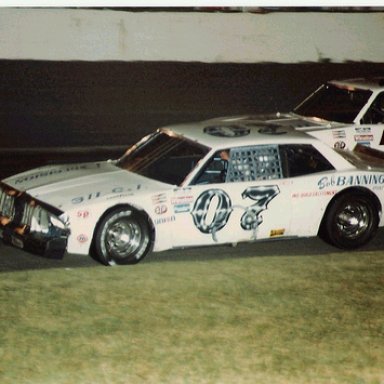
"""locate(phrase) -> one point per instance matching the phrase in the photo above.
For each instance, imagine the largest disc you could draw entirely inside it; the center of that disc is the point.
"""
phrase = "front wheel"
(122, 237)
(350, 221)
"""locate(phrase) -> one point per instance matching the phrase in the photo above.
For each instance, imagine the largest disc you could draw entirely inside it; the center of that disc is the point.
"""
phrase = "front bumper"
(31, 225)
(50, 247)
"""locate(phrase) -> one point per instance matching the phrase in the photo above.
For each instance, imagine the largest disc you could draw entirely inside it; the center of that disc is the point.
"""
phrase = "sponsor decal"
(227, 130)
(82, 214)
(363, 130)
(96, 195)
(160, 198)
(339, 134)
(181, 200)
(339, 145)
(364, 138)
(277, 232)
(50, 172)
(90, 196)
(182, 208)
(120, 196)
(314, 194)
(341, 181)
(161, 209)
(82, 238)
(164, 220)
(122, 189)
(182, 204)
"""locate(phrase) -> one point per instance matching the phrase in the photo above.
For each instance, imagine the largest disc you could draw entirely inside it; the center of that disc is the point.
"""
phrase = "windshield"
(334, 104)
(164, 157)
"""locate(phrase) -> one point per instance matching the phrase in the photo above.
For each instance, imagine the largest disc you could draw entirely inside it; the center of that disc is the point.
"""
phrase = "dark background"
(73, 111)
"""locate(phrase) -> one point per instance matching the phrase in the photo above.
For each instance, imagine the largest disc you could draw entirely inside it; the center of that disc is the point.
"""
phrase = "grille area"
(23, 214)
(7, 205)
(31, 224)
(16, 210)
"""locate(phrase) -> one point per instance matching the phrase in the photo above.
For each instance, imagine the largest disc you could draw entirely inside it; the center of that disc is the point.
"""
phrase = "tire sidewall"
(100, 235)
(332, 234)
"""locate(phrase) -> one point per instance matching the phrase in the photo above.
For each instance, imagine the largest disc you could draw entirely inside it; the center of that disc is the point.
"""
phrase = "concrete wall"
(72, 79)
(98, 35)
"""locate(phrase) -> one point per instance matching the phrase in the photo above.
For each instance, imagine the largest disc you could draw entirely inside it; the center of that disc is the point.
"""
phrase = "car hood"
(62, 186)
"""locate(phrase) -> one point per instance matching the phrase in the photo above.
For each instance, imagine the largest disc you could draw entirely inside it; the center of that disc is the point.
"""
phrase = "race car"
(341, 113)
(196, 184)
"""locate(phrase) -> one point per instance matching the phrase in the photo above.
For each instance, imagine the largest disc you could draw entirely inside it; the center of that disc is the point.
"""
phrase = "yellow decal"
(277, 232)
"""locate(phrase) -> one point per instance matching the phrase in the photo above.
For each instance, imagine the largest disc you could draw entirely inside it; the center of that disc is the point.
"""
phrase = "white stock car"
(196, 184)
(342, 113)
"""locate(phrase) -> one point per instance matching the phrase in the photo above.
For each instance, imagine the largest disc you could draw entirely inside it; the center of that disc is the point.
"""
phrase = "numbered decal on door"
(251, 218)
(218, 200)
(201, 210)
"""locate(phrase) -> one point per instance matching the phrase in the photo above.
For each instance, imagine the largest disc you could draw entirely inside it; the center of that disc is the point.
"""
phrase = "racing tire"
(122, 237)
(350, 221)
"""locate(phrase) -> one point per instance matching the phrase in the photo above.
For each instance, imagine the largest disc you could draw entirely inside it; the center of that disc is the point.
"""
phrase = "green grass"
(287, 319)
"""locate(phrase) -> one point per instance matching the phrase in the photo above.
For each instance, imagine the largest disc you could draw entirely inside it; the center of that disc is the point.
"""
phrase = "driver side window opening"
(260, 162)
(240, 164)
(216, 169)
(303, 159)
(263, 162)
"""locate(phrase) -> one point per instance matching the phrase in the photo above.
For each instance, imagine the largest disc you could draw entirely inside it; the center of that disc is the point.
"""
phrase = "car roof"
(221, 133)
(368, 83)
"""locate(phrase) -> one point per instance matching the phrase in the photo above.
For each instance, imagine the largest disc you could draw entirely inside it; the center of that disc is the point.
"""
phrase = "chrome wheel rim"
(353, 220)
(123, 237)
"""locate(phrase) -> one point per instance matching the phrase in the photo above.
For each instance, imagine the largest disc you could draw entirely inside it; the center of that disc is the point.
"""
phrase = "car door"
(241, 198)
(305, 168)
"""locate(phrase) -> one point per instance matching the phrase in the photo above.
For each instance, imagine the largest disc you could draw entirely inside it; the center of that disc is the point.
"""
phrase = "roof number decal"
(227, 130)
(272, 130)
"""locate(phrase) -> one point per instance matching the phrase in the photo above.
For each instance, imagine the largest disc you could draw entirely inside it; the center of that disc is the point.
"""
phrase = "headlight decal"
(29, 208)
(7, 204)
(45, 222)
(25, 214)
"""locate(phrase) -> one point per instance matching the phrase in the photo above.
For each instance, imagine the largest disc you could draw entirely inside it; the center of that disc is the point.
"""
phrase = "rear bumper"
(46, 246)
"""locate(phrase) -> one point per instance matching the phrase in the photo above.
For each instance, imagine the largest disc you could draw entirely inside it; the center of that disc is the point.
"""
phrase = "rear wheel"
(350, 221)
(122, 237)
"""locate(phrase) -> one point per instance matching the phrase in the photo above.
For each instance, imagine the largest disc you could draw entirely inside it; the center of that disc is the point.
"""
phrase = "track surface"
(12, 259)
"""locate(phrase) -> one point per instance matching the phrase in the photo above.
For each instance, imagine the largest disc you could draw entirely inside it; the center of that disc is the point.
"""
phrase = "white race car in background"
(196, 184)
(341, 113)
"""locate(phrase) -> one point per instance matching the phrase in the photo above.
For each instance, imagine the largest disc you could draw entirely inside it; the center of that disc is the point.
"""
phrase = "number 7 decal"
(251, 218)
